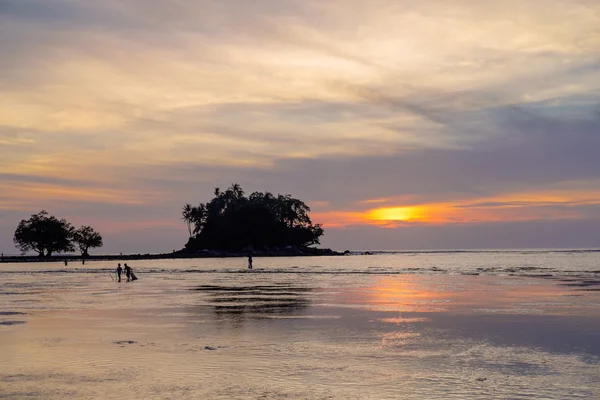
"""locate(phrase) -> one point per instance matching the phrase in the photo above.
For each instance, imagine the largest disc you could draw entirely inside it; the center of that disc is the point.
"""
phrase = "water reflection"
(529, 313)
(480, 295)
(255, 302)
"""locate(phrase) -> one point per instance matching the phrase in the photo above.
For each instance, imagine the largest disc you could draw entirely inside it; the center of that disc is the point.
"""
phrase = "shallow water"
(412, 326)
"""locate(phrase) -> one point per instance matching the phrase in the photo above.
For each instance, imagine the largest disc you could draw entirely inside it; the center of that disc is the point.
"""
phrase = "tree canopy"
(46, 234)
(86, 238)
(231, 221)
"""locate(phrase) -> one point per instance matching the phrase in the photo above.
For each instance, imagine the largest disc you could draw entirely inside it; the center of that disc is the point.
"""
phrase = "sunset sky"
(403, 124)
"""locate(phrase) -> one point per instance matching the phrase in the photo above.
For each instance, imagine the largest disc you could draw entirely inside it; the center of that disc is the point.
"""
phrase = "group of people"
(128, 273)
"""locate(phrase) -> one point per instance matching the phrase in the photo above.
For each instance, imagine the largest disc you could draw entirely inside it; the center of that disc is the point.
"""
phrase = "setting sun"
(395, 214)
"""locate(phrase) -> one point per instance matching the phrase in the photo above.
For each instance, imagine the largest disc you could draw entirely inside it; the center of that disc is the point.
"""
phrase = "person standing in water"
(119, 271)
(128, 272)
(250, 261)
(127, 269)
(130, 275)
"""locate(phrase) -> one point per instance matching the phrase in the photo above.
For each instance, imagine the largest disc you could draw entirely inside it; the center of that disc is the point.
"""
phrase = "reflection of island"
(256, 301)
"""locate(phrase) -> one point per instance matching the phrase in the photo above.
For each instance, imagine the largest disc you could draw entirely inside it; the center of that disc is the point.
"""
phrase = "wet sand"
(287, 336)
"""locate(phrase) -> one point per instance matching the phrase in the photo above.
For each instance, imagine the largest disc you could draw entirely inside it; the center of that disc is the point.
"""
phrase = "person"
(66, 262)
(128, 272)
(250, 261)
(119, 271)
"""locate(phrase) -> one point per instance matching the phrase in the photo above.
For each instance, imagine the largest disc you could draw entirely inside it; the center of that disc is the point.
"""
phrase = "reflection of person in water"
(250, 261)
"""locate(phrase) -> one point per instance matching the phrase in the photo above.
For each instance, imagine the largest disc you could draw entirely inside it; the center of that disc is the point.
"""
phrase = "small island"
(261, 224)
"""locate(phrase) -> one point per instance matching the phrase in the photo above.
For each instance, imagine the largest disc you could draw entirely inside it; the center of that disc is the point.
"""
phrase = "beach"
(476, 325)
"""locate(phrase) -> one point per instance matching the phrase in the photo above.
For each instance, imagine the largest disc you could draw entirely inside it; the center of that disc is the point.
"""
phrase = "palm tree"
(187, 214)
(238, 193)
(199, 217)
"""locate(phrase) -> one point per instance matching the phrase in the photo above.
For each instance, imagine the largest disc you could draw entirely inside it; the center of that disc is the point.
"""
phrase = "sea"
(469, 324)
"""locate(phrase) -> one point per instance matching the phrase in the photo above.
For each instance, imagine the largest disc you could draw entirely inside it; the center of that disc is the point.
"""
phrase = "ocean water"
(428, 325)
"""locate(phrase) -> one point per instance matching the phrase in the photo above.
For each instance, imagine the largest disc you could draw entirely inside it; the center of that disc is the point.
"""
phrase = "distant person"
(119, 272)
(250, 261)
(128, 272)
(66, 262)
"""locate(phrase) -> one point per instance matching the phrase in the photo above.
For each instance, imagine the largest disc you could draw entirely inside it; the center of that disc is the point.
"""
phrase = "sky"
(402, 124)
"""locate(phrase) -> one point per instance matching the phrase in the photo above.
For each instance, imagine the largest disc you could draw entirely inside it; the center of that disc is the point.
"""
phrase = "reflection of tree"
(256, 302)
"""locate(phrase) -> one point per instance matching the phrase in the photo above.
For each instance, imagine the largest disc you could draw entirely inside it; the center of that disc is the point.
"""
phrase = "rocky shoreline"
(289, 251)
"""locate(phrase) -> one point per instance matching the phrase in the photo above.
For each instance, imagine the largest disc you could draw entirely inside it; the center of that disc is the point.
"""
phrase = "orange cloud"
(337, 219)
(524, 206)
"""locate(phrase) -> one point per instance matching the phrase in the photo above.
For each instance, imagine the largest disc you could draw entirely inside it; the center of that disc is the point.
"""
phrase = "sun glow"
(395, 214)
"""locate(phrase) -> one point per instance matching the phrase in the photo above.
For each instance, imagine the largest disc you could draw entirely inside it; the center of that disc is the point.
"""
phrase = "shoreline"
(181, 254)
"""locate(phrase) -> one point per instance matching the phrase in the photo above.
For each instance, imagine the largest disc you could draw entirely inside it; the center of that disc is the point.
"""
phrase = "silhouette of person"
(128, 272)
(250, 261)
(66, 262)
(119, 271)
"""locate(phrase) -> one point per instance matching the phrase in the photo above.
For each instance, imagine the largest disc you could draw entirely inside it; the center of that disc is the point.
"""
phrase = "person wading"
(119, 271)
(128, 272)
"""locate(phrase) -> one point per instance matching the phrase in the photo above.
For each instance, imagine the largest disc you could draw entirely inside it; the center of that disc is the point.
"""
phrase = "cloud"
(153, 103)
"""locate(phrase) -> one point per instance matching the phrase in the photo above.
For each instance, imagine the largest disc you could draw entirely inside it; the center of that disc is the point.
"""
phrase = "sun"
(394, 214)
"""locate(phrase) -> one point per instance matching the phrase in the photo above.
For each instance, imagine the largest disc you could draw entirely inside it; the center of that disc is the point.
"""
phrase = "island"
(229, 225)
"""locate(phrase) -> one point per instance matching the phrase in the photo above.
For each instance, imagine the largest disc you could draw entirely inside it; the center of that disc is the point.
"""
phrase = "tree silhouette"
(44, 234)
(187, 216)
(86, 238)
(199, 217)
(231, 221)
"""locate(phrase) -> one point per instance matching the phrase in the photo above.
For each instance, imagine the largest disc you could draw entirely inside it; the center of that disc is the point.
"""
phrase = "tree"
(231, 221)
(44, 234)
(237, 191)
(187, 214)
(86, 238)
(199, 216)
